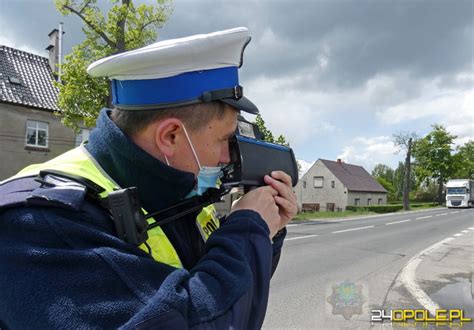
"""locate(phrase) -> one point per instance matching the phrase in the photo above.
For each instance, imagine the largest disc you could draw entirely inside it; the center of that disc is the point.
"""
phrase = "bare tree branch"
(401, 139)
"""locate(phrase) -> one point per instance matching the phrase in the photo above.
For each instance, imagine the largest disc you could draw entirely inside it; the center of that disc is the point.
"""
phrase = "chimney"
(339, 161)
(54, 48)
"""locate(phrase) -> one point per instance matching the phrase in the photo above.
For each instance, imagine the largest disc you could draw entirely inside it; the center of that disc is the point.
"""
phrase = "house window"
(36, 134)
(333, 184)
(369, 201)
(357, 201)
(318, 182)
(380, 201)
(83, 135)
(304, 184)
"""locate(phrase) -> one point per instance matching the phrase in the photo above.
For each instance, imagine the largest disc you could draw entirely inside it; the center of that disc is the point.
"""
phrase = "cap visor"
(243, 104)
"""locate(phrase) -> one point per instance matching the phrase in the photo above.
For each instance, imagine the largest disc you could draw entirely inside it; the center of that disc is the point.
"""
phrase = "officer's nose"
(225, 155)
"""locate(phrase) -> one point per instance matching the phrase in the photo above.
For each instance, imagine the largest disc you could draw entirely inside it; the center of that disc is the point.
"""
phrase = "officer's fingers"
(283, 189)
(270, 189)
(282, 176)
(288, 208)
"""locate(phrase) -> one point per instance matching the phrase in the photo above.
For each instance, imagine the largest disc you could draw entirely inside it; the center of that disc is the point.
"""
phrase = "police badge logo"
(347, 299)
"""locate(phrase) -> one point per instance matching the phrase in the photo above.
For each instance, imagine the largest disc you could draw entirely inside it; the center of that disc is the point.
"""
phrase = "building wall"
(14, 153)
(324, 195)
(364, 196)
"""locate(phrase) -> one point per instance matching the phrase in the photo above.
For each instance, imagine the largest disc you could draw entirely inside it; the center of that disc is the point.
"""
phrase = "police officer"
(63, 261)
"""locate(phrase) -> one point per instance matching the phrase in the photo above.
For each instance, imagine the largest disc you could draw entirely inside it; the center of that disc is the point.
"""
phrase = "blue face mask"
(208, 176)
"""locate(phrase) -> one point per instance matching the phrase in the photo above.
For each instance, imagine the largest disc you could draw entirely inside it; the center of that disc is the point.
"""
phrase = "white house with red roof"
(333, 185)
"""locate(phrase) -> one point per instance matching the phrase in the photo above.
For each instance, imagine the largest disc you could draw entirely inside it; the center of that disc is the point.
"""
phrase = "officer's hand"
(286, 198)
(262, 201)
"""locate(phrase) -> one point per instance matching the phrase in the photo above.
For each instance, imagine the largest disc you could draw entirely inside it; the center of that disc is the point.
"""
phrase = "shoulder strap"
(14, 193)
(50, 190)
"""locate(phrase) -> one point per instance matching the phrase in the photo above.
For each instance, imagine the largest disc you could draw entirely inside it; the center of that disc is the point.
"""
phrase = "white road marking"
(471, 228)
(300, 237)
(292, 225)
(428, 216)
(438, 215)
(455, 212)
(352, 229)
(392, 223)
(464, 231)
(444, 214)
(408, 278)
(365, 217)
(457, 235)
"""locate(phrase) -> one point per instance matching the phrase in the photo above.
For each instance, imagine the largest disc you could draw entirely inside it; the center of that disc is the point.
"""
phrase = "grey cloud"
(359, 39)
(30, 21)
(355, 39)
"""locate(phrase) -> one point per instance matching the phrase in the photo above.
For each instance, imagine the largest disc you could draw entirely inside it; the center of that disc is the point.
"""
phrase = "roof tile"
(354, 177)
(36, 88)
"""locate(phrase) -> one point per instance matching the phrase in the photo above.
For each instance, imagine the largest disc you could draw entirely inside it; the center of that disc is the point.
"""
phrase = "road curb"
(430, 258)
(408, 277)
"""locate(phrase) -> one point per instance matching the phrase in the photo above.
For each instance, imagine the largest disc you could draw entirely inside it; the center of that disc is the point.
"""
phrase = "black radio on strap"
(124, 206)
(127, 215)
(130, 222)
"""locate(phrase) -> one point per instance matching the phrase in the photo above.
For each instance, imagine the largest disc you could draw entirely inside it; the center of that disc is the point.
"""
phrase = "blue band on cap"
(184, 87)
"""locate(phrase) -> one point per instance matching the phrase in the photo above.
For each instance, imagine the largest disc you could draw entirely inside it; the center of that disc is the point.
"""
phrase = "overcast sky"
(337, 78)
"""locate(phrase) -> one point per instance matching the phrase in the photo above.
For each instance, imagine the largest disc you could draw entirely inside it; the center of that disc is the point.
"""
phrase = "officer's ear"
(169, 136)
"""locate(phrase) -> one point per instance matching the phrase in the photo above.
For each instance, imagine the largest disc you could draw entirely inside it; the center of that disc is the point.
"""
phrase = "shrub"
(424, 204)
(354, 208)
(376, 208)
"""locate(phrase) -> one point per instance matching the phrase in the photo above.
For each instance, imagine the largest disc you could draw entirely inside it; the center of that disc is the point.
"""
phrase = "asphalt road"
(332, 273)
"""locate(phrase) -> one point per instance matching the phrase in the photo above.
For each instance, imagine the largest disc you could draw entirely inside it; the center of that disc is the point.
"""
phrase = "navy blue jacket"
(62, 266)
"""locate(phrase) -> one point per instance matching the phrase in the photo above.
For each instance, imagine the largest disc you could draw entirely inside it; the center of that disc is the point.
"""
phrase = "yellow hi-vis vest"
(79, 162)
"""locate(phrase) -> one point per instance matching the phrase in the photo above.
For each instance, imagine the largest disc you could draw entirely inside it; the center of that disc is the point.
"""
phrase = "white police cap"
(199, 68)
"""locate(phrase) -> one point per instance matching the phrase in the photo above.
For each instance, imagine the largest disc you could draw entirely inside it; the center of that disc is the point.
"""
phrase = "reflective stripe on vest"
(79, 162)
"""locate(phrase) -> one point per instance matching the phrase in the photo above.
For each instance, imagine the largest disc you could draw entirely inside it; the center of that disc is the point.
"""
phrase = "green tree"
(399, 181)
(433, 157)
(281, 140)
(389, 187)
(125, 27)
(385, 172)
(398, 177)
(425, 192)
(267, 135)
(385, 175)
(464, 161)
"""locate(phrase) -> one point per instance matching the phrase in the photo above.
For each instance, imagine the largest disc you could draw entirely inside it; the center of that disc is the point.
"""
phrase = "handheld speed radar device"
(252, 158)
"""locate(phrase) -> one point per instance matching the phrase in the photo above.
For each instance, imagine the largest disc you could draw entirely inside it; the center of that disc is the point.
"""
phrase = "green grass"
(416, 206)
(347, 214)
